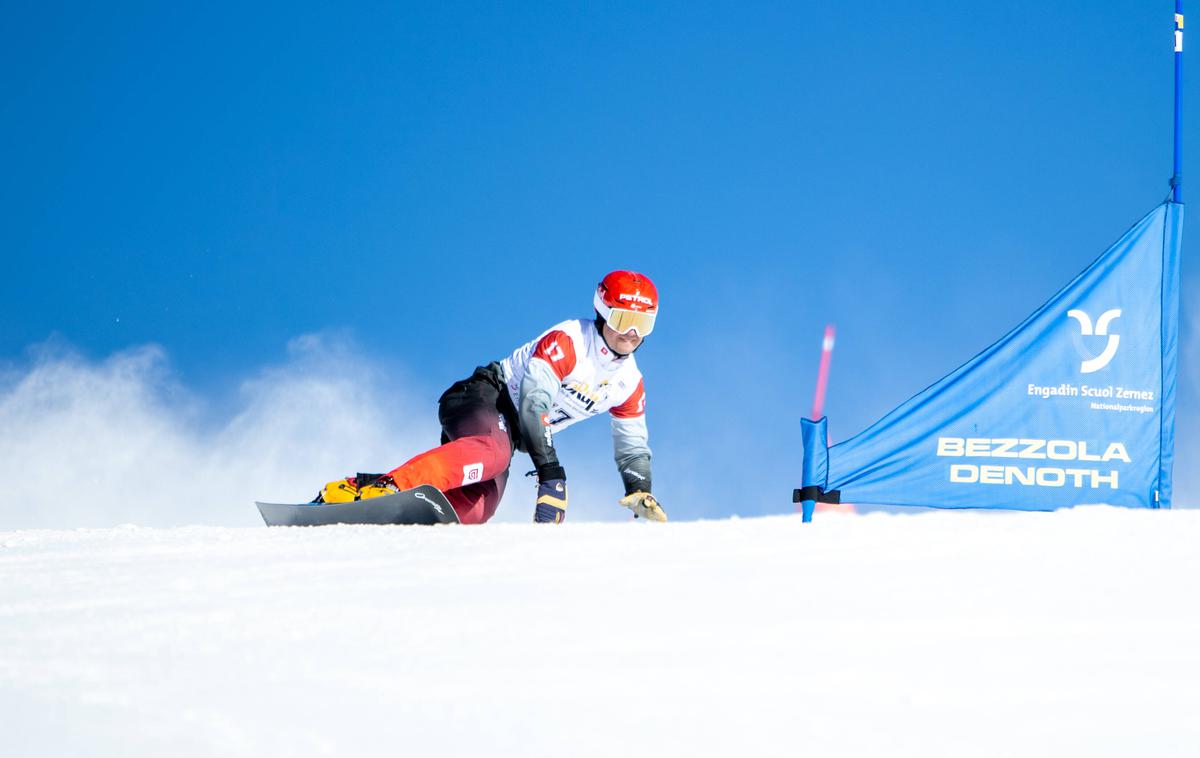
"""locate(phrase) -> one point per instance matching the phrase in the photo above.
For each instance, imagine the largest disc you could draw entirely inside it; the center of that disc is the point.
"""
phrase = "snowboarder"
(575, 370)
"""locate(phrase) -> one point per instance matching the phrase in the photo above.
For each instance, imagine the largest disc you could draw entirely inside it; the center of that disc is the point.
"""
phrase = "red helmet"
(627, 300)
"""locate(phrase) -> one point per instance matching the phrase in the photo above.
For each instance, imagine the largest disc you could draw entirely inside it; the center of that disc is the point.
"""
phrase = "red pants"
(471, 465)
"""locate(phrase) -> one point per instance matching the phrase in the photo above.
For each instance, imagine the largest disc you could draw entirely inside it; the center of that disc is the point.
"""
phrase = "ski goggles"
(622, 321)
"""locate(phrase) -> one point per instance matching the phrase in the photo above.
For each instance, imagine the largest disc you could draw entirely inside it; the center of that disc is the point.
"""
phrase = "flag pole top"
(1177, 174)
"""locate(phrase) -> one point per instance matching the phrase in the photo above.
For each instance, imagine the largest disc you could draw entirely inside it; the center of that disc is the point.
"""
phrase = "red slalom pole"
(823, 373)
(819, 402)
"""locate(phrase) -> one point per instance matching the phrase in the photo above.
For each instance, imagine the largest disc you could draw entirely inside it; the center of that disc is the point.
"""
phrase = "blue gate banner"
(1074, 406)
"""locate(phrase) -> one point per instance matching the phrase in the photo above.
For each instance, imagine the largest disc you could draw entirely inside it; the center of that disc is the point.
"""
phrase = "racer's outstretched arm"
(633, 461)
(631, 449)
(552, 361)
(539, 388)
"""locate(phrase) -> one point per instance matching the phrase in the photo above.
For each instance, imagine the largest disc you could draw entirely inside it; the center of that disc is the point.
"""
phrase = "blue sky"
(435, 184)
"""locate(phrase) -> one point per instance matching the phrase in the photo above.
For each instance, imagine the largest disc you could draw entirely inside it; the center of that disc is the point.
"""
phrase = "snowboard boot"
(338, 491)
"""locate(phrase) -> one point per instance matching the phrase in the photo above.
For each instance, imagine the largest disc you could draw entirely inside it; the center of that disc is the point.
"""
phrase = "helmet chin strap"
(600, 328)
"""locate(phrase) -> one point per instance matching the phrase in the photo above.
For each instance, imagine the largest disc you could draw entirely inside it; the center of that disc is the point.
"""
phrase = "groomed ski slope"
(1072, 633)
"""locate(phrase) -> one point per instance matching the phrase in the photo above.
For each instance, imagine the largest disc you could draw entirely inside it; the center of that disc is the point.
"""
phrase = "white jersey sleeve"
(631, 441)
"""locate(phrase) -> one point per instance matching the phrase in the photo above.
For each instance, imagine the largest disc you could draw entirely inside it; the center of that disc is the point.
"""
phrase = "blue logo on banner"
(1074, 406)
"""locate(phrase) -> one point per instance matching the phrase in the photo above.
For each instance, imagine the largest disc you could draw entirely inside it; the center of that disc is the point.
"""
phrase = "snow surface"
(1072, 633)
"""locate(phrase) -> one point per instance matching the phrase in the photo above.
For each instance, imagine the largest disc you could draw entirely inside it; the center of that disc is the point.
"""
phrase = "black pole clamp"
(816, 493)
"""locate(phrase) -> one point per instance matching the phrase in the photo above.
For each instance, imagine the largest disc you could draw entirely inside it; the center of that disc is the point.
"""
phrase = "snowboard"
(420, 505)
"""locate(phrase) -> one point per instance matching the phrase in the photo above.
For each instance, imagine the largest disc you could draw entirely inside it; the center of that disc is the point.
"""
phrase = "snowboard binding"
(357, 487)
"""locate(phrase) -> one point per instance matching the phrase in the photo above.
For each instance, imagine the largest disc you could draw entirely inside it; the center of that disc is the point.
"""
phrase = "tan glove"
(644, 506)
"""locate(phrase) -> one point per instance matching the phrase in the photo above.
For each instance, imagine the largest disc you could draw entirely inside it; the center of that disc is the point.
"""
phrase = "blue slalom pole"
(815, 470)
(1177, 177)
